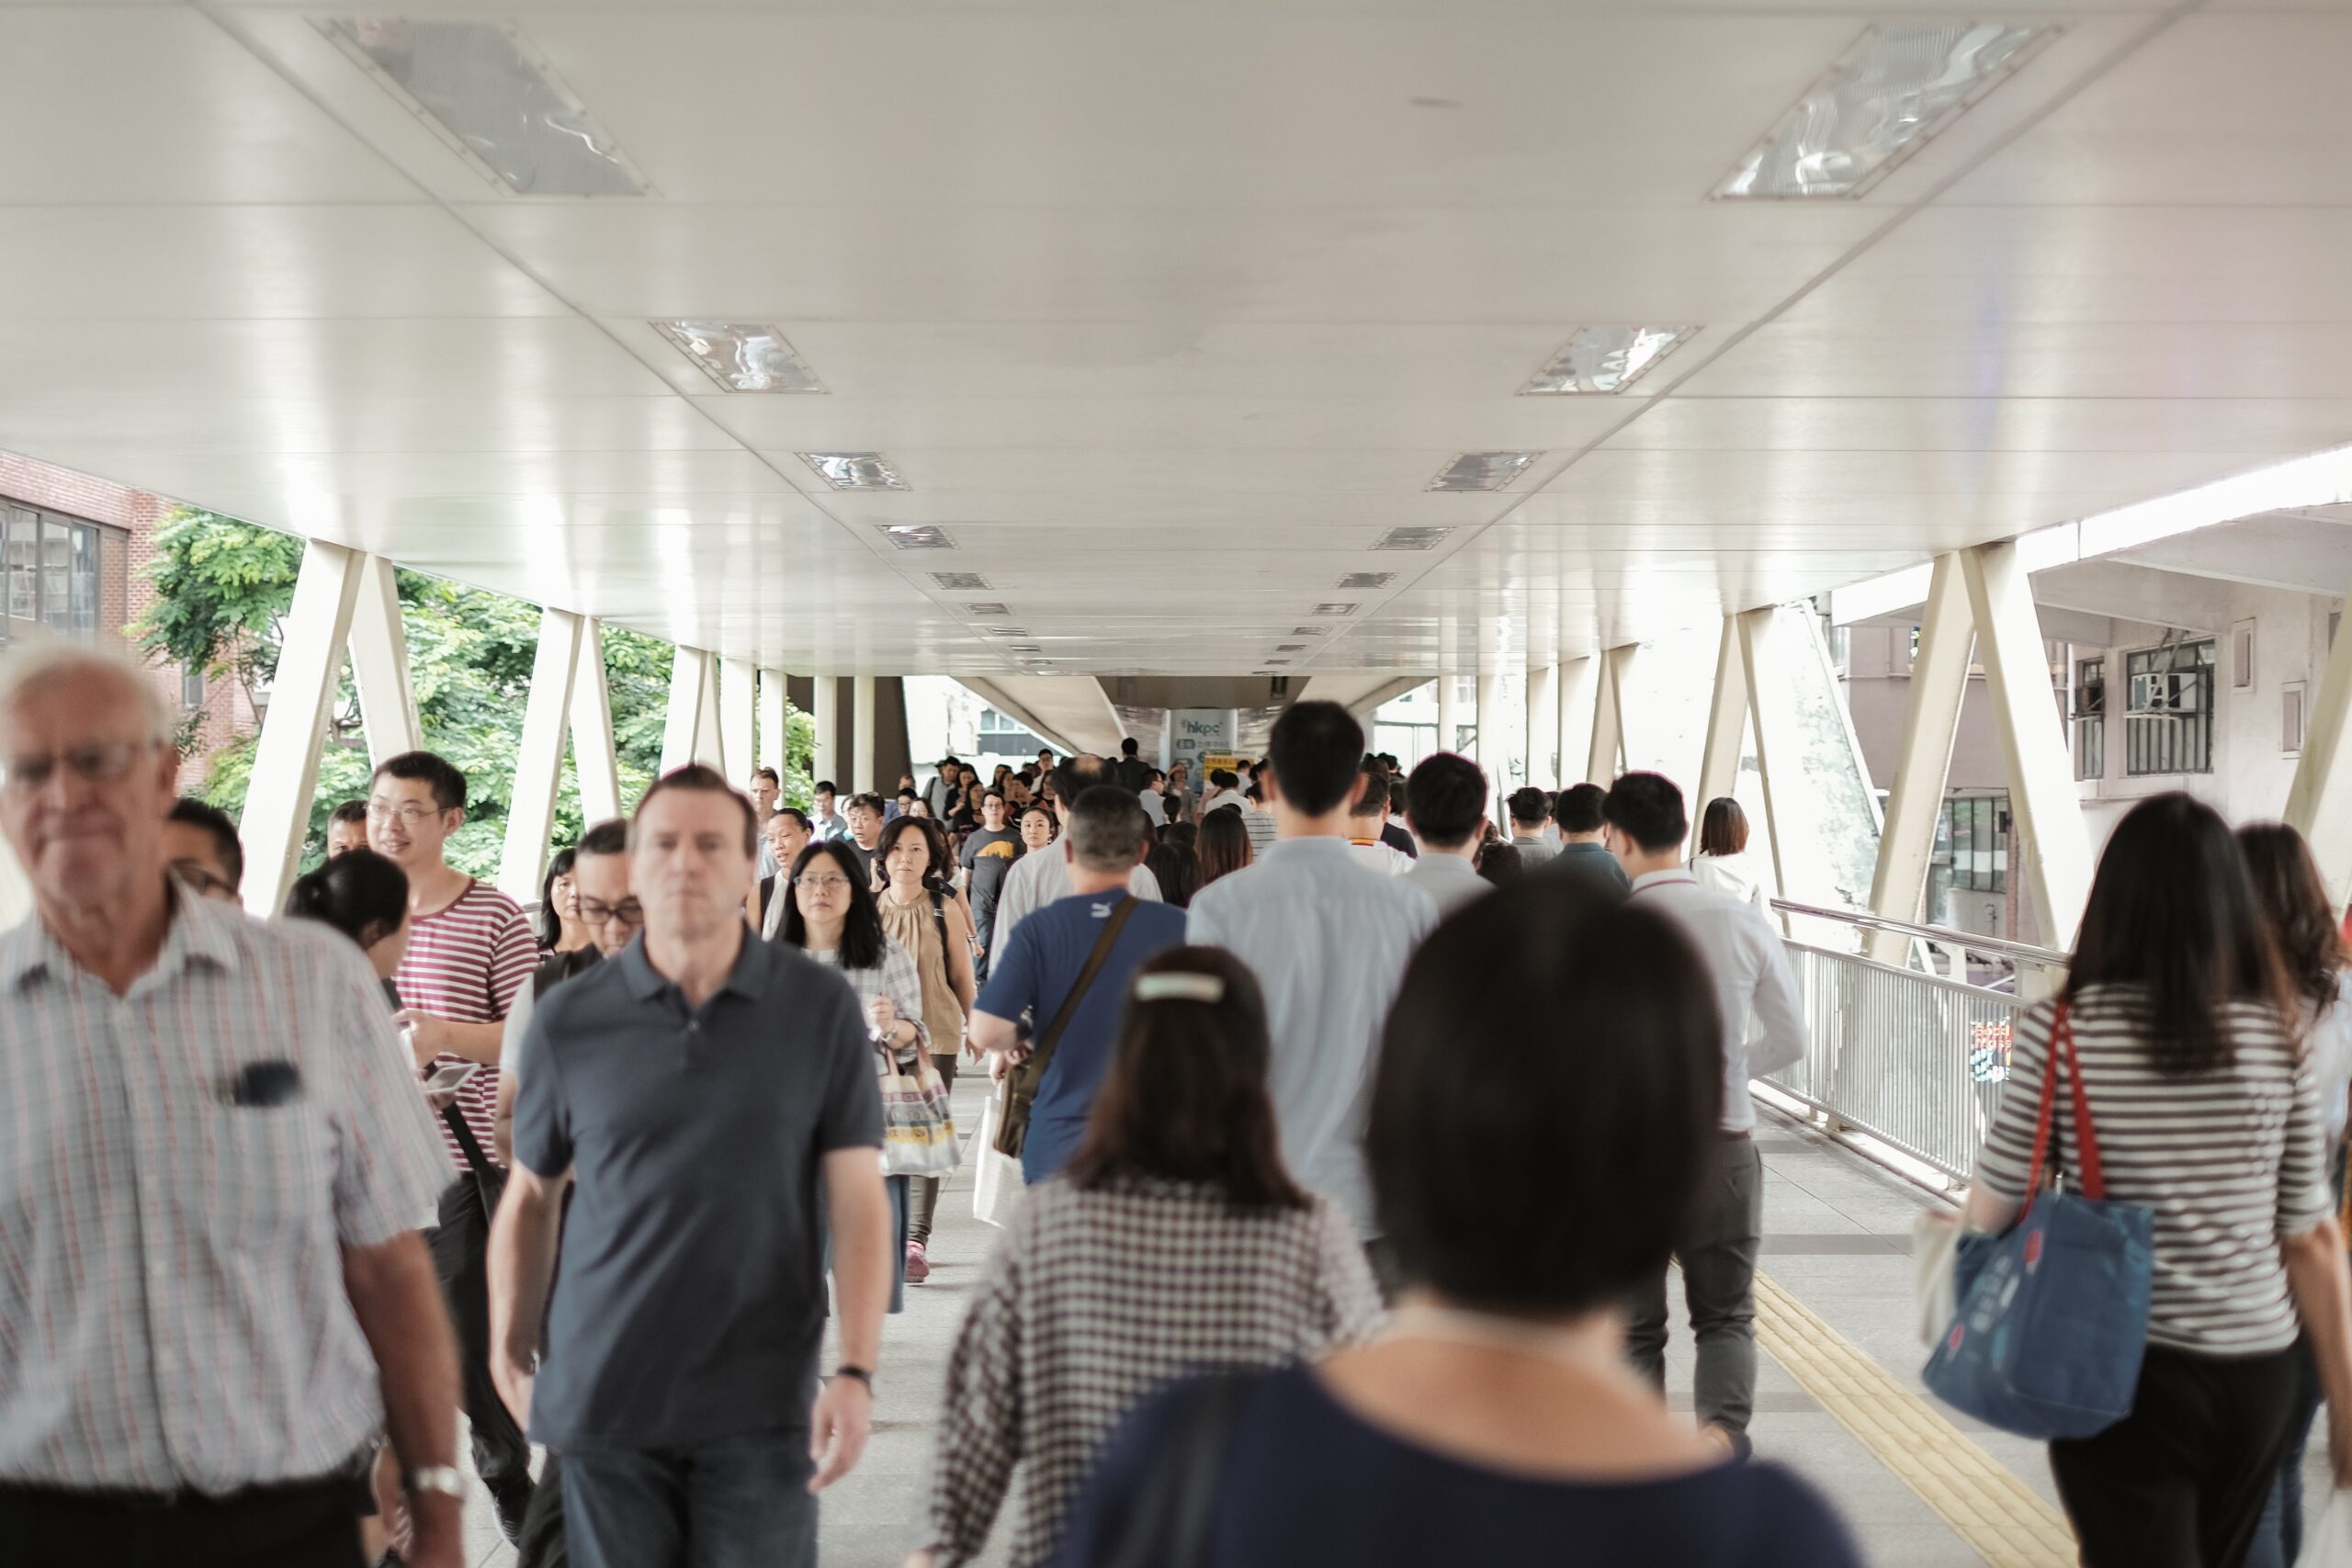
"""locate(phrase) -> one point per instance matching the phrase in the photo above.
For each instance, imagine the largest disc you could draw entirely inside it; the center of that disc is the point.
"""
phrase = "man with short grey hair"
(217, 1293)
(1039, 879)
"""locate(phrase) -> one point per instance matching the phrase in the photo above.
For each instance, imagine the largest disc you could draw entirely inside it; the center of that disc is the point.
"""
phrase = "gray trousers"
(1718, 1258)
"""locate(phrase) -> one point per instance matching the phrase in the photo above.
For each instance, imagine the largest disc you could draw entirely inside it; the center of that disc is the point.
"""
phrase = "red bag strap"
(2041, 1121)
(2088, 1174)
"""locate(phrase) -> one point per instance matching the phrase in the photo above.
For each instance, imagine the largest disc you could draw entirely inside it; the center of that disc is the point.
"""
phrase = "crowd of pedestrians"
(1353, 1132)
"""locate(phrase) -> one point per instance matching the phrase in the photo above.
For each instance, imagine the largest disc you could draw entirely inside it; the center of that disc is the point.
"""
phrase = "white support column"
(1752, 631)
(1578, 684)
(738, 695)
(1930, 722)
(286, 760)
(1493, 750)
(1449, 715)
(2319, 802)
(774, 731)
(828, 715)
(1727, 725)
(861, 733)
(2041, 779)
(1543, 723)
(689, 694)
(1608, 752)
(538, 760)
(380, 665)
(596, 761)
(709, 749)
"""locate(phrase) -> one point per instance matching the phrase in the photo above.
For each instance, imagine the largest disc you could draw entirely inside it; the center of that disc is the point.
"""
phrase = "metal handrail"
(1943, 936)
(1928, 978)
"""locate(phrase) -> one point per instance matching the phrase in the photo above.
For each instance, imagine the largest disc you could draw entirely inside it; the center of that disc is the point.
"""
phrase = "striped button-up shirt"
(172, 1306)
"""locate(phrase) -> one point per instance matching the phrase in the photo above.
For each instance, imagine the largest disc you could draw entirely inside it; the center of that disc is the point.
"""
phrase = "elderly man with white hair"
(217, 1159)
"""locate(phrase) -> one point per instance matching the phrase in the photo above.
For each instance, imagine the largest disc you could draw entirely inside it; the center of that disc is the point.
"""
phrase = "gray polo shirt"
(690, 1299)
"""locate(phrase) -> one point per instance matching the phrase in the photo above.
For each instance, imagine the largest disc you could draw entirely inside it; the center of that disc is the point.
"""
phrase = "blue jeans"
(738, 1503)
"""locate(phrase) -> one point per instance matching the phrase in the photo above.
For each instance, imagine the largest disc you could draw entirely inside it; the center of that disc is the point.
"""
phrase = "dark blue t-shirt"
(1039, 964)
(1302, 1480)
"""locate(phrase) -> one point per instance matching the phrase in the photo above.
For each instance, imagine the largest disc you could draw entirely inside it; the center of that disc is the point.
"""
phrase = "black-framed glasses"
(630, 913)
(98, 763)
(202, 881)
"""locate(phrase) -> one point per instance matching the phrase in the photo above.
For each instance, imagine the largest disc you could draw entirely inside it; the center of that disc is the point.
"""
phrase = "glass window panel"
(82, 605)
(1963, 843)
(23, 564)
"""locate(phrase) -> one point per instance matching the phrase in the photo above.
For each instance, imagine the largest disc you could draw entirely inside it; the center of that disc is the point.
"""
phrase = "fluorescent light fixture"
(1482, 470)
(1306, 631)
(741, 359)
(961, 582)
(917, 536)
(1006, 631)
(495, 100)
(1604, 360)
(1411, 539)
(1898, 85)
(1029, 648)
(984, 608)
(855, 471)
(1273, 661)
(1330, 609)
(1365, 580)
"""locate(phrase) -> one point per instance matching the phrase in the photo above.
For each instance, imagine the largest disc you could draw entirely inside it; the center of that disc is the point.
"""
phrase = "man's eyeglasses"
(100, 763)
(408, 814)
(594, 914)
(202, 882)
(822, 884)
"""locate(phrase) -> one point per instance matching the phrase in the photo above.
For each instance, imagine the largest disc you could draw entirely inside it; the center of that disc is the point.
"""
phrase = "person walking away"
(1067, 965)
(1367, 824)
(1722, 862)
(1492, 1421)
(1174, 863)
(215, 1295)
(1448, 809)
(1039, 879)
(1393, 833)
(1173, 1238)
(920, 912)
(1582, 854)
(1763, 1031)
(2303, 930)
(1220, 846)
(710, 1100)
(2182, 1024)
(1328, 940)
(988, 858)
(470, 952)
(1131, 772)
(1529, 814)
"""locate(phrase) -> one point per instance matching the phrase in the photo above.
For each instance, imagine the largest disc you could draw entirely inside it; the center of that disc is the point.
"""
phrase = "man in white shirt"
(1366, 820)
(1445, 804)
(1645, 826)
(1039, 878)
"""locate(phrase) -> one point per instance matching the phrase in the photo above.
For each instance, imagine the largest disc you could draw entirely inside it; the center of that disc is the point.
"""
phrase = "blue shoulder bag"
(2053, 1313)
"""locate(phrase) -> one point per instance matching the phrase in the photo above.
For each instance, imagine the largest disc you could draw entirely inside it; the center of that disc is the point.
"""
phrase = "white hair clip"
(1178, 985)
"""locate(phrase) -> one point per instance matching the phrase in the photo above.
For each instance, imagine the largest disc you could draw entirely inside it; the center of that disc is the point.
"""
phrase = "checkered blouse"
(1096, 1298)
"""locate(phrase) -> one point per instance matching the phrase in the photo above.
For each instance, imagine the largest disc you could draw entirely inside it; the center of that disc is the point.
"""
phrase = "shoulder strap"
(939, 916)
(2049, 1102)
(1043, 1053)
(2086, 1171)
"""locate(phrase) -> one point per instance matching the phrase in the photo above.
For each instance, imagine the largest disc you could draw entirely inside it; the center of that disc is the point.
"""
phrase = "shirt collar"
(195, 932)
(1663, 878)
(748, 979)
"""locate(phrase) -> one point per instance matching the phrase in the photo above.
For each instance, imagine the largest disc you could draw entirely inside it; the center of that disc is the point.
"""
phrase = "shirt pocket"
(267, 1175)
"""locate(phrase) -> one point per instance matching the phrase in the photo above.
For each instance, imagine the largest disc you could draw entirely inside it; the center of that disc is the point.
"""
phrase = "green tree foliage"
(223, 588)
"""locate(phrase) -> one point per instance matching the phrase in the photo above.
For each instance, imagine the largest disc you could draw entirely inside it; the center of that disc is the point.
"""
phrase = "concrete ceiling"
(1166, 313)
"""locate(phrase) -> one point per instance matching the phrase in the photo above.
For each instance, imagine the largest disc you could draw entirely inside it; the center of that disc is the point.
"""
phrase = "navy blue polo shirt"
(1035, 971)
(690, 1297)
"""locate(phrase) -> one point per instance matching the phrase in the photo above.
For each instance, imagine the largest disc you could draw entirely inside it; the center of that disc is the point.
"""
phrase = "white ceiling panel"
(265, 427)
(2263, 426)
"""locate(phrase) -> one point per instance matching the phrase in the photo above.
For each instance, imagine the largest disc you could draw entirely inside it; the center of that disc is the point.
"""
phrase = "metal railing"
(1915, 1059)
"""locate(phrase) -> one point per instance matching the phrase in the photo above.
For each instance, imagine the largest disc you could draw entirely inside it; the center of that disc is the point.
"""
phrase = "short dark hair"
(940, 866)
(864, 800)
(1578, 809)
(1648, 808)
(770, 774)
(1501, 863)
(1224, 778)
(1314, 748)
(1526, 804)
(360, 893)
(863, 945)
(826, 786)
(190, 812)
(606, 838)
(909, 793)
(1038, 808)
(1372, 800)
(442, 776)
(352, 813)
(1401, 798)
(796, 814)
(1106, 826)
(1576, 1214)
(1185, 1099)
(1723, 827)
(698, 779)
(1446, 797)
(1127, 746)
(991, 792)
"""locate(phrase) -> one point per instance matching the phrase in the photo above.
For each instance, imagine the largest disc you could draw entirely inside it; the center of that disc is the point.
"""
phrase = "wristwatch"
(442, 1478)
(860, 1373)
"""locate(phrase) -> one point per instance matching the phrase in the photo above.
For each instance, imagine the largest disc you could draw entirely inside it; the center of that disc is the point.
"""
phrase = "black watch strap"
(860, 1373)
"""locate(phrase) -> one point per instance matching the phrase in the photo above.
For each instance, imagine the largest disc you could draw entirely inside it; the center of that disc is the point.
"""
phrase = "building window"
(2169, 726)
(1003, 735)
(48, 572)
(1977, 828)
(2090, 719)
(192, 687)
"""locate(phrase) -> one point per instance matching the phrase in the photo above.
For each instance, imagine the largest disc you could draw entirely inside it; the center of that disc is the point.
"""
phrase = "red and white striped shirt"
(465, 964)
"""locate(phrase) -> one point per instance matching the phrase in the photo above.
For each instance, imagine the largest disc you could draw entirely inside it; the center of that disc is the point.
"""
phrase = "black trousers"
(460, 1245)
(2180, 1482)
(312, 1524)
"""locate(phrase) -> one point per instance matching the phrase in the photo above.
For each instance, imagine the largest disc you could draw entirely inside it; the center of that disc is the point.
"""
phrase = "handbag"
(2053, 1313)
(1936, 1236)
(2329, 1544)
(1169, 1526)
(918, 1132)
(1028, 1076)
(996, 1185)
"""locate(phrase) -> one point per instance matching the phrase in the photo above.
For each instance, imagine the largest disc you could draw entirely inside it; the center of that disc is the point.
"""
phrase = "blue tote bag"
(2053, 1313)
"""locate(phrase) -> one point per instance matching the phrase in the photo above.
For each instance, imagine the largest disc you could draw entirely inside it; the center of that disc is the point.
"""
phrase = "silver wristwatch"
(444, 1479)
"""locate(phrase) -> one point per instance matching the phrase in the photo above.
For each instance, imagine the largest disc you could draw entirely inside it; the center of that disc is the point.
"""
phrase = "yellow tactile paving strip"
(2002, 1519)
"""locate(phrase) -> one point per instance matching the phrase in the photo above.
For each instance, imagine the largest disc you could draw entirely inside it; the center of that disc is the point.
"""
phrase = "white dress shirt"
(1752, 982)
(1041, 876)
(1449, 880)
(1385, 859)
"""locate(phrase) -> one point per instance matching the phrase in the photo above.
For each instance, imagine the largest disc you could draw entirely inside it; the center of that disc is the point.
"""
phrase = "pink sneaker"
(918, 1266)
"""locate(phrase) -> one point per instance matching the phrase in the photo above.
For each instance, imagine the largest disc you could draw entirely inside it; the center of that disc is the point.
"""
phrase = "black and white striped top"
(2228, 1161)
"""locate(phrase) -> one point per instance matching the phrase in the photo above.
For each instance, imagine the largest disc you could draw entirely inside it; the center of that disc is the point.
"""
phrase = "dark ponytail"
(359, 893)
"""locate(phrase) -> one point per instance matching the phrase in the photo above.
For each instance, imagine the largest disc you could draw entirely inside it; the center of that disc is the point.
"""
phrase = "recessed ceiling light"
(855, 471)
(495, 101)
(1006, 631)
(1897, 86)
(1027, 648)
(1274, 661)
(1604, 359)
(1410, 540)
(1329, 609)
(1306, 631)
(1290, 648)
(1482, 470)
(917, 536)
(741, 357)
(985, 609)
(961, 582)
(1365, 579)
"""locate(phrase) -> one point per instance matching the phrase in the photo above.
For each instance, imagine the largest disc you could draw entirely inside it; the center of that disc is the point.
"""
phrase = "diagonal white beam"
(1930, 722)
(379, 664)
(2319, 802)
(708, 749)
(1727, 725)
(595, 760)
(738, 706)
(1543, 723)
(538, 760)
(1577, 688)
(286, 759)
(1607, 757)
(689, 696)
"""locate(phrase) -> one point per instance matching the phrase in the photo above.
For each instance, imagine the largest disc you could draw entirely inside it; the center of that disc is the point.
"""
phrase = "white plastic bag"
(2329, 1544)
(996, 1178)
(1935, 1237)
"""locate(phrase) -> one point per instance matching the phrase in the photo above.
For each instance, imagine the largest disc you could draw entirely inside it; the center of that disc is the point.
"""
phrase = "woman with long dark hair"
(560, 927)
(1221, 845)
(2183, 1029)
(1174, 1239)
(923, 913)
(1175, 861)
